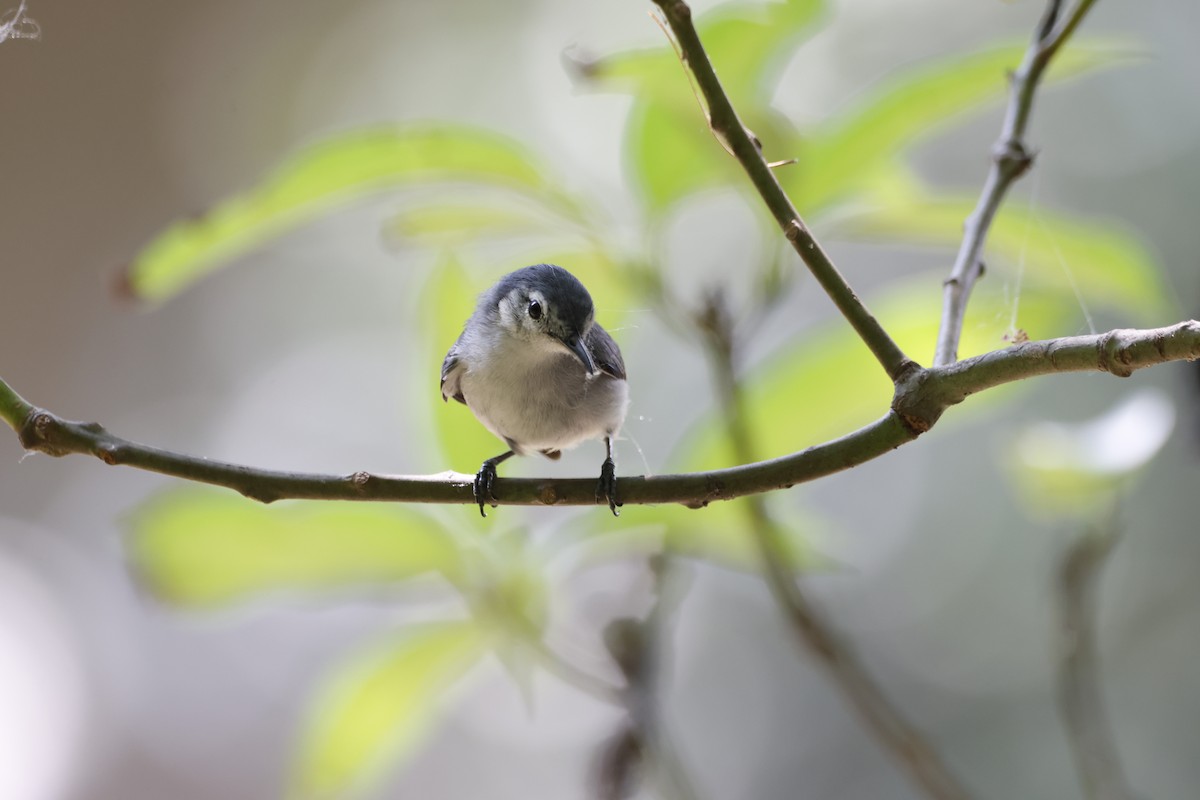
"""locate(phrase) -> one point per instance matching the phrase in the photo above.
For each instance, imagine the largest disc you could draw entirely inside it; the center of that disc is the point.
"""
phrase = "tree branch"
(745, 148)
(921, 398)
(1010, 160)
(1079, 695)
(813, 631)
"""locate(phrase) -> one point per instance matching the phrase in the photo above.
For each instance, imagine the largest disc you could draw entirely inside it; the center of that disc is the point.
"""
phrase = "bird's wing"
(605, 352)
(452, 370)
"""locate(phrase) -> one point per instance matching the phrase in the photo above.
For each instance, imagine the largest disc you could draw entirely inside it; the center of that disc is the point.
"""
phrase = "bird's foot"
(482, 487)
(606, 489)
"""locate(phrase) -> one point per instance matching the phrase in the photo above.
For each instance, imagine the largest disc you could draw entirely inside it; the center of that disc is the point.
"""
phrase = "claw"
(482, 487)
(485, 479)
(606, 489)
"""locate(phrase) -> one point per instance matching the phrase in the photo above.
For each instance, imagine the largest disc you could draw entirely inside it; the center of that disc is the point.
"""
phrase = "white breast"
(537, 396)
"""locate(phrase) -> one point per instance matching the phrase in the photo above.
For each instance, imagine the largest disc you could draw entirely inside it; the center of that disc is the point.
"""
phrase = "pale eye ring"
(535, 309)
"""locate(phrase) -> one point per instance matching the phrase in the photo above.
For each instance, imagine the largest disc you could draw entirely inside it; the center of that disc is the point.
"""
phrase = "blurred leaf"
(201, 548)
(321, 177)
(455, 223)
(375, 710)
(717, 534)
(750, 45)
(745, 42)
(450, 300)
(913, 105)
(671, 151)
(1074, 470)
(828, 384)
(519, 616)
(1109, 267)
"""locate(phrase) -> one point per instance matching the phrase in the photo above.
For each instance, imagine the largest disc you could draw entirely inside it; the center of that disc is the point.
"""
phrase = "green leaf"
(1109, 267)
(454, 223)
(322, 177)
(671, 151)
(913, 105)
(202, 548)
(749, 45)
(375, 710)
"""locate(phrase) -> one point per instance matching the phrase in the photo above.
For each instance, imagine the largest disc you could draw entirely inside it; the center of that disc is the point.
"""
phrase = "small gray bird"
(535, 368)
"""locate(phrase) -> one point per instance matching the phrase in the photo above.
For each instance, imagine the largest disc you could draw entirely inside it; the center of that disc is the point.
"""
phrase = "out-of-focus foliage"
(324, 176)
(1076, 471)
(1055, 252)
(201, 547)
(377, 707)
(481, 192)
(847, 150)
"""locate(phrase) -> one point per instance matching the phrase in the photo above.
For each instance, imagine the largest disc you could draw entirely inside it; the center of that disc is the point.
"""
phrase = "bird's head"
(546, 306)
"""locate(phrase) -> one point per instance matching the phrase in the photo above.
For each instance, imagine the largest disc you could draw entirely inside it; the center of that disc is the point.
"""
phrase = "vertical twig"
(1010, 160)
(644, 746)
(819, 638)
(1080, 698)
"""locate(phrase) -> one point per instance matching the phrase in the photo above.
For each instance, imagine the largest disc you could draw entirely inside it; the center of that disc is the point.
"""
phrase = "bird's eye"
(535, 309)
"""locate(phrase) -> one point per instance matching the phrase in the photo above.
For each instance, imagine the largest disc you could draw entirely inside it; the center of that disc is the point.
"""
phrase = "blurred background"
(305, 354)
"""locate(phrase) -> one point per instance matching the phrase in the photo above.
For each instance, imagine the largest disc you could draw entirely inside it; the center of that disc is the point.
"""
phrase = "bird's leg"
(606, 489)
(482, 487)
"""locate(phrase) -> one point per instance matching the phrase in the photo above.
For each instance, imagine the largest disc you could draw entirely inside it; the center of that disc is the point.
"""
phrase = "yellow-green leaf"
(374, 711)
(457, 223)
(321, 177)
(745, 42)
(1108, 266)
(719, 534)
(915, 104)
(828, 384)
(201, 548)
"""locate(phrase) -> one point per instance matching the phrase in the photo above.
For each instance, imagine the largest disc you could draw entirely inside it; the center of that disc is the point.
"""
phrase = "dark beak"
(577, 346)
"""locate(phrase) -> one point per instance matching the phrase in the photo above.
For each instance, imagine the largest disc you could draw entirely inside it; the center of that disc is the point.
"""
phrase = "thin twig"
(1080, 699)
(1010, 160)
(918, 403)
(646, 703)
(820, 639)
(737, 139)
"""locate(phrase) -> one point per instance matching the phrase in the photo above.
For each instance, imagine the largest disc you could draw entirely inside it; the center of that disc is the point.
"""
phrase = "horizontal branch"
(920, 400)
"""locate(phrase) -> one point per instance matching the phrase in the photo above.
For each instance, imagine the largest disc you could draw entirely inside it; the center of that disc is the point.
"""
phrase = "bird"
(539, 372)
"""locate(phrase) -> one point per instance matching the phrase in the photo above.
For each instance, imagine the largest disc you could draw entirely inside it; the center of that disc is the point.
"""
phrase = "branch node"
(547, 495)
(1013, 157)
(107, 453)
(1113, 356)
(794, 230)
